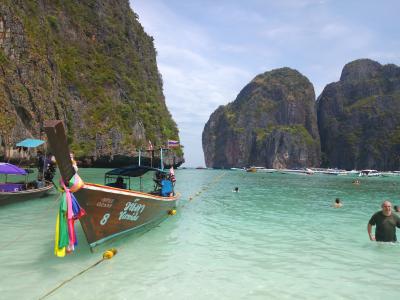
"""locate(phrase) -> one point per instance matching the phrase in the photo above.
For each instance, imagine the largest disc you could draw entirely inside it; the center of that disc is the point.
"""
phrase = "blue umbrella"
(9, 169)
(30, 143)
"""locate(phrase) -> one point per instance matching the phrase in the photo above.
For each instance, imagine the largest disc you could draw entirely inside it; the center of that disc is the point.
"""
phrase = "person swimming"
(236, 189)
(338, 203)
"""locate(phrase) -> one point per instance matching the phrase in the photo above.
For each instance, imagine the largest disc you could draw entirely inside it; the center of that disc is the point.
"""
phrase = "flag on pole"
(172, 144)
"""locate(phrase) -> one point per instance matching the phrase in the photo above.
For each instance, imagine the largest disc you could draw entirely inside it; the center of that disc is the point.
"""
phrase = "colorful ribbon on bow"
(69, 212)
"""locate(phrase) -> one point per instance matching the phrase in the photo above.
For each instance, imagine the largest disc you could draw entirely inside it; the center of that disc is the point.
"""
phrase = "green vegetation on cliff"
(359, 117)
(95, 68)
(271, 123)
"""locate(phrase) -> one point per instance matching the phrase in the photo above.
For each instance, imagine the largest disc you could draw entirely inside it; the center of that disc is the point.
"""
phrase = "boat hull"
(111, 212)
(11, 197)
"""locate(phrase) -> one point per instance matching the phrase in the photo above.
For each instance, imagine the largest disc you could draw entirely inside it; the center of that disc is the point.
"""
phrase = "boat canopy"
(10, 169)
(132, 171)
(30, 143)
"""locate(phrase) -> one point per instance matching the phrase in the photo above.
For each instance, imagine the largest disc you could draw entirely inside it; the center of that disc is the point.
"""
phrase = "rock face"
(88, 63)
(359, 117)
(272, 123)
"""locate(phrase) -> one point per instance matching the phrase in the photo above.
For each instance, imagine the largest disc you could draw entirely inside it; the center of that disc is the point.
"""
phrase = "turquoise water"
(278, 238)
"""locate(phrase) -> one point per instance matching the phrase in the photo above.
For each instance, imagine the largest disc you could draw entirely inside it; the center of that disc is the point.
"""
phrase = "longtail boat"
(11, 192)
(113, 209)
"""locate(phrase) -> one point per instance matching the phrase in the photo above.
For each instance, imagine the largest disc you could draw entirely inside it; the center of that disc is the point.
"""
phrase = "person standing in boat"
(40, 164)
(50, 167)
(385, 222)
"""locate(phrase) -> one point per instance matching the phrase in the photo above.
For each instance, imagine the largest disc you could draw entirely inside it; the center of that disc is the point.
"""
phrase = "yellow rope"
(70, 279)
(90, 267)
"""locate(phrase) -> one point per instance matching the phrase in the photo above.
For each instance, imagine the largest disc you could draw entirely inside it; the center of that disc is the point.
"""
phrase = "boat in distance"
(113, 209)
(369, 173)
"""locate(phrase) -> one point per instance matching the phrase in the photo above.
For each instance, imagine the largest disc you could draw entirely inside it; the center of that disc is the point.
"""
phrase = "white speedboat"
(305, 171)
(369, 173)
(336, 172)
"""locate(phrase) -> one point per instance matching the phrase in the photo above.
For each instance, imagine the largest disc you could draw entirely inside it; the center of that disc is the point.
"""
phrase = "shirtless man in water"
(386, 223)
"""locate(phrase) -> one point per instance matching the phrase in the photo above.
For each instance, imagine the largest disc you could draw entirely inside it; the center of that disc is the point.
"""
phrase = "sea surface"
(277, 238)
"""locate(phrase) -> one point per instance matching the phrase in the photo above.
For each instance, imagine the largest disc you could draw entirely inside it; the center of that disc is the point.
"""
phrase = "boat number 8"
(105, 219)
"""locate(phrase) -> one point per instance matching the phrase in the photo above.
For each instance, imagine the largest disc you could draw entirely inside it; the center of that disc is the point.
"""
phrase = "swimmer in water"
(338, 203)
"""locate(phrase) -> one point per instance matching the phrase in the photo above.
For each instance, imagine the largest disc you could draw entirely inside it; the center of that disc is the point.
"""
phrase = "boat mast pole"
(44, 164)
(140, 177)
(161, 158)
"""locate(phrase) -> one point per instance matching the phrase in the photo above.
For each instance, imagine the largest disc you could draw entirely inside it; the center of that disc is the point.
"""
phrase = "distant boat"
(388, 174)
(392, 173)
(305, 171)
(114, 209)
(265, 170)
(259, 169)
(369, 173)
(336, 172)
(25, 189)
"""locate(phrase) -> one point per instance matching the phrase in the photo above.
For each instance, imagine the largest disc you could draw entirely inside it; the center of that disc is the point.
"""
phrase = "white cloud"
(209, 50)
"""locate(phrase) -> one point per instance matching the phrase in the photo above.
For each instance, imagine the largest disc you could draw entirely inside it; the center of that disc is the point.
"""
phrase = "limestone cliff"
(272, 123)
(359, 117)
(88, 63)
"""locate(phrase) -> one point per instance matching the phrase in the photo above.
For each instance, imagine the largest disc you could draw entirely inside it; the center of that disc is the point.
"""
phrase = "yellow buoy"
(109, 253)
(172, 212)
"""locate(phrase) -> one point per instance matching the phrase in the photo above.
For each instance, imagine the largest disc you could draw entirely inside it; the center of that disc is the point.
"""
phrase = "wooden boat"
(111, 211)
(11, 192)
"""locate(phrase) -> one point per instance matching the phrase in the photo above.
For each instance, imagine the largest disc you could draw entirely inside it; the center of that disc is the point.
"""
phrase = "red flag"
(172, 144)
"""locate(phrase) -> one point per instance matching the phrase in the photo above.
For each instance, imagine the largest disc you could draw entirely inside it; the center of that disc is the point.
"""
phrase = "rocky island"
(359, 117)
(272, 123)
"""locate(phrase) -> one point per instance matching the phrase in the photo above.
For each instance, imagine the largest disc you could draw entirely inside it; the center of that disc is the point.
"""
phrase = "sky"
(208, 50)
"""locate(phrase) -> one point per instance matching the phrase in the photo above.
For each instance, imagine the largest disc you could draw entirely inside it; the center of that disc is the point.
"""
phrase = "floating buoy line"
(204, 188)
